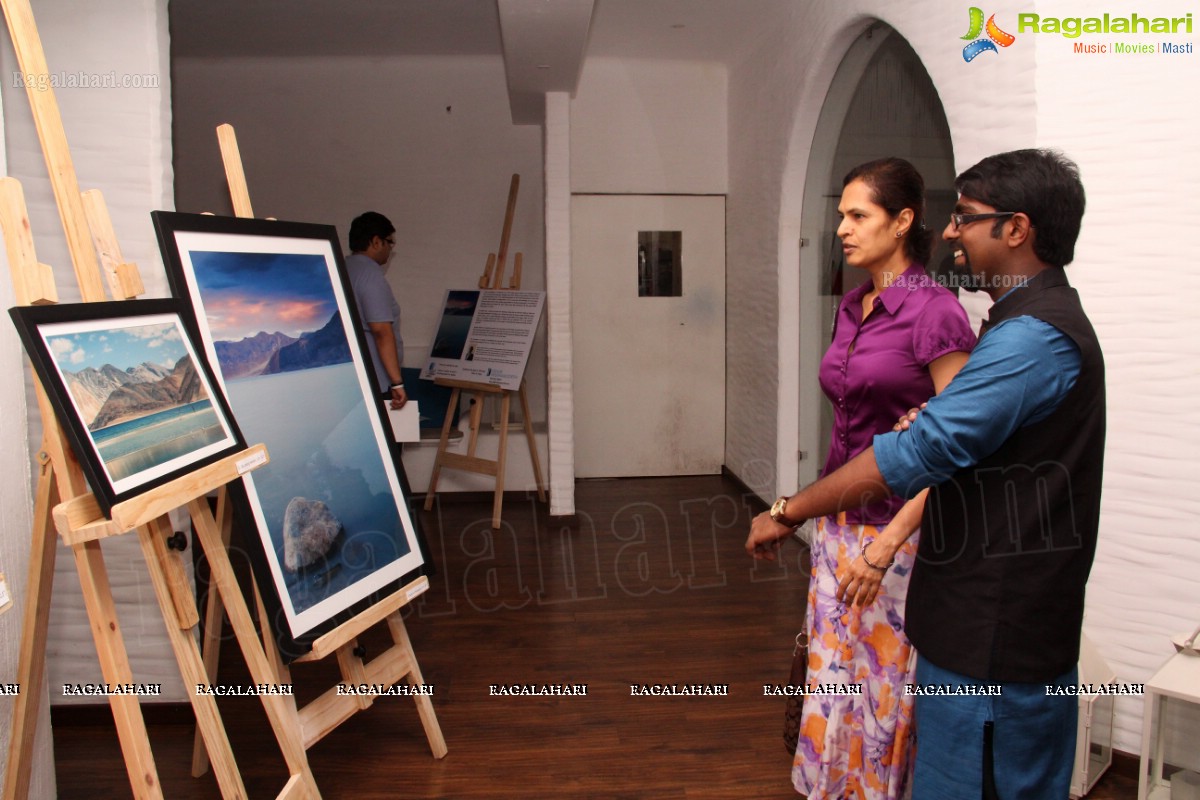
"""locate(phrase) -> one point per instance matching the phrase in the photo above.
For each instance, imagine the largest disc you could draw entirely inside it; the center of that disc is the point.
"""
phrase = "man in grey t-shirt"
(372, 239)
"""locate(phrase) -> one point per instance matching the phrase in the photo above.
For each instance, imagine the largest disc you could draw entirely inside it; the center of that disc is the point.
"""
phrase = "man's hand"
(399, 397)
(765, 537)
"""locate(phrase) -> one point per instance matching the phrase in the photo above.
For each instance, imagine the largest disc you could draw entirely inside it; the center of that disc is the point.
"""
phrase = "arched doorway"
(881, 103)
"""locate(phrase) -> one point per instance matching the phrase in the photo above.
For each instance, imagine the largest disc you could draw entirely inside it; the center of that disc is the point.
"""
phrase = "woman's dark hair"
(896, 185)
(1044, 185)
(366, 227)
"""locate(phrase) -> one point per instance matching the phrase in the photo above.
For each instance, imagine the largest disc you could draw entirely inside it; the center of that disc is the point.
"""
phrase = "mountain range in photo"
(272, 353)
(109, 395)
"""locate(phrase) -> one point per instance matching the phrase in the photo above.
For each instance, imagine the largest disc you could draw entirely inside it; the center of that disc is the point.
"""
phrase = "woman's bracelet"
(883, 568)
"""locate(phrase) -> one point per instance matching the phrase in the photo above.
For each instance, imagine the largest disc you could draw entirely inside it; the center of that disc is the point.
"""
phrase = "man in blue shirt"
(372, 240)
(1013, 451)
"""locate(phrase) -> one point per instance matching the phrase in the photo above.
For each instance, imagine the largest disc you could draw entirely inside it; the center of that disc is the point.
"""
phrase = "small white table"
(1178, 678)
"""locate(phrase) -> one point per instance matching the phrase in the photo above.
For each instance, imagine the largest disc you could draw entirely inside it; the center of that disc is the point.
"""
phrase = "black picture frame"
(138, 401)
(326, 523)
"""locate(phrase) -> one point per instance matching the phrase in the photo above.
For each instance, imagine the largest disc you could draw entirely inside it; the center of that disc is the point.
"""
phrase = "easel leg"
(114, 665)
(429, 720)
(476, 419)
(501, 458)
(271, 651)
(529, 437)
(31, 663)
(451, 408)
(214, 621)
(180, 614)
(281, 714)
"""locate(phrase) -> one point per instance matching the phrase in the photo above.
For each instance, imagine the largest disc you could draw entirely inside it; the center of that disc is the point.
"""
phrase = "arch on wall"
(881, 101)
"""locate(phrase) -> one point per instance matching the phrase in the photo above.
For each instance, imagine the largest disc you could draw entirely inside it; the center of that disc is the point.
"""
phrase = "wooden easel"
(398, 663)
(78, 520)
(492, 278)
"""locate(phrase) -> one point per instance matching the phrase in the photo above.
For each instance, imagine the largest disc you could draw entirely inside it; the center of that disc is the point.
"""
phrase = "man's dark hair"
(896, 185)
(366, 227)
(1044, 185)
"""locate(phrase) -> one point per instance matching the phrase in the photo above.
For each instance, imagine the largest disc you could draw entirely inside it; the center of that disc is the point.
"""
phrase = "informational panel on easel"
(273, 309)
(484, 336)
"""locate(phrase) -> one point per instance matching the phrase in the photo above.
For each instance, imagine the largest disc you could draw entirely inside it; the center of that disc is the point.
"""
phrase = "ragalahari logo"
(995, 36)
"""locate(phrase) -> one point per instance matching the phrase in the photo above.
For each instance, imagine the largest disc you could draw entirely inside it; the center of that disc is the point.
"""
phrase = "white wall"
(426, 141)
(1123, 121)
(650, 127)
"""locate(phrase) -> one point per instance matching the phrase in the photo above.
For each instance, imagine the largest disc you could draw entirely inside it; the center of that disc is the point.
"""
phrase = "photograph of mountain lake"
(135, 386)
(329, 506)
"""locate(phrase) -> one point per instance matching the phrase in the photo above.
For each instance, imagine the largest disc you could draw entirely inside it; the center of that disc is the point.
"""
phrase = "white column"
(556, 146)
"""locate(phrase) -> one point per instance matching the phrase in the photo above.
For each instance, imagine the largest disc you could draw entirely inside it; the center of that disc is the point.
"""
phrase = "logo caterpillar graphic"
(995, 36)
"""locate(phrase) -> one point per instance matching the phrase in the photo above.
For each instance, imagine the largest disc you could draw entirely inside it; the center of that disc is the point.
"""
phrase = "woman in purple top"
(897, 340)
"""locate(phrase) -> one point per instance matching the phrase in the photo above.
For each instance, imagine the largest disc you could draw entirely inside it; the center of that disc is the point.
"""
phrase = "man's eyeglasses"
(958, 220)
(391, 240)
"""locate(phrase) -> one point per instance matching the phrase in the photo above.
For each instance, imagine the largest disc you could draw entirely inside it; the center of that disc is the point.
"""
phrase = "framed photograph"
(134, 396)
(329, 525)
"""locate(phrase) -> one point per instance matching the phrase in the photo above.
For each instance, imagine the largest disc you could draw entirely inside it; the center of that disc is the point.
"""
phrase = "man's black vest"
(1006, 545)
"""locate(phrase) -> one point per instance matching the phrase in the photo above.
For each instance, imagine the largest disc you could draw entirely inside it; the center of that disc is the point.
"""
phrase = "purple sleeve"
(941, 328)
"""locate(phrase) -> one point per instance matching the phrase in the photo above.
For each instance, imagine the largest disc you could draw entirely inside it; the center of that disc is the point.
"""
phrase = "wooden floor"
(651, 586)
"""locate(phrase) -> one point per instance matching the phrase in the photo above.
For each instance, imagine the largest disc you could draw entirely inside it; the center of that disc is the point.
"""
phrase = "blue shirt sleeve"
(1016, 376)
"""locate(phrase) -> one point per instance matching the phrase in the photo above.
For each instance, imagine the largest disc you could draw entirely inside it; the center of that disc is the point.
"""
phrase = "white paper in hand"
(406, 422)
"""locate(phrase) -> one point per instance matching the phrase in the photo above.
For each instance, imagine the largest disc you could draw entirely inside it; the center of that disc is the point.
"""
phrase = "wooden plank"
(171, 564)
(481, 466)
(332, 641)
(515, 283)
(162, 563)
(114, 666)
(173, 494)
(324, 714)
(485, 279)
(235, 175)
(451, 414)
(213, 621)
(80, 520)
(351, 667)
(31, 660)
(472, 386)
(506, 231)
(532, 441)
(282, 716)
(429, 720)
(294, 789)
(124, 280)
(32, 60)
(33, 283)
(501, 458)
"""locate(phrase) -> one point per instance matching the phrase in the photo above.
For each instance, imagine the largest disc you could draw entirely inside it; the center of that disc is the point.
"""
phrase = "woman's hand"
(860, 582)
(909, 418)
(765, 537)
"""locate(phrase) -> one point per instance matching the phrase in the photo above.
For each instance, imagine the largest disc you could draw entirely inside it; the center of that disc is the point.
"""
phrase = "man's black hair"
(1044, 185)
(366, 227)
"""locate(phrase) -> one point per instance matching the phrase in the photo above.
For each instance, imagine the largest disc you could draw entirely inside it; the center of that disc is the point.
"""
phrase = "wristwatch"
(778, 513)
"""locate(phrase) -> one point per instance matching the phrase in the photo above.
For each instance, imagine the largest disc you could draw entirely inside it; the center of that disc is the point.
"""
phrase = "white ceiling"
(543, 42)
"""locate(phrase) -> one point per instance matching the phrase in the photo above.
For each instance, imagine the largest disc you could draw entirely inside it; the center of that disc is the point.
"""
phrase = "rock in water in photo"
(309, 530)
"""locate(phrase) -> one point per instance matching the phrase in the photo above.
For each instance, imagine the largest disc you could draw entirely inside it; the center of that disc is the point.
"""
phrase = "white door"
(649, 370)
